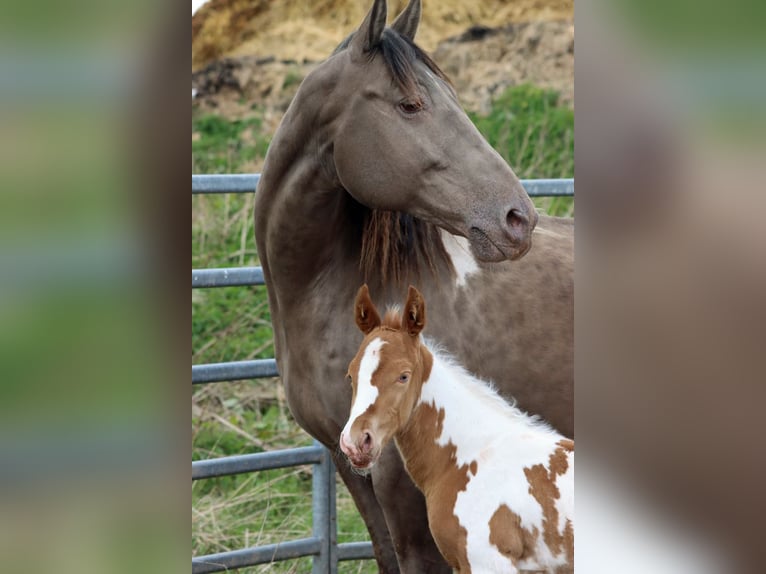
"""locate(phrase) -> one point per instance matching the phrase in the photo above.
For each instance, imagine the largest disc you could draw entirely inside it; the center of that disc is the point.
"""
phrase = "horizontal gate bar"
(227, 277)
(242, 463)
(548, 187)
(225, 183)
(245, 183)
(257, 555)
(355, 551)
(234, 371)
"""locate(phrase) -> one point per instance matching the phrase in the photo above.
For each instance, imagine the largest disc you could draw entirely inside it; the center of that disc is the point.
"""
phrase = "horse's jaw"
(485, 249)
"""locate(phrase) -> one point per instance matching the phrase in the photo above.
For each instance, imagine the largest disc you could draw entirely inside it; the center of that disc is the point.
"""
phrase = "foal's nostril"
(366, 442)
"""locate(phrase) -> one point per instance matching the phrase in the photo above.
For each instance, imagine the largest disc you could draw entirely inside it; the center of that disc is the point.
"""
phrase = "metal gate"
(322, 545)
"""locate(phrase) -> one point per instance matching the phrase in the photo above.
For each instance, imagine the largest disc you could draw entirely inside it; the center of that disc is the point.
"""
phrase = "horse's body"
(499, 484)
(376, 174)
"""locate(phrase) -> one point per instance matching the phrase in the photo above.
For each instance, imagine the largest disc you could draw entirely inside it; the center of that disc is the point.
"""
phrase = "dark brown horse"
(377, 175)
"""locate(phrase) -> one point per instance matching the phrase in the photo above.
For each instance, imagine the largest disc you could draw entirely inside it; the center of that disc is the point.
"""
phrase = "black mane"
(399, 54)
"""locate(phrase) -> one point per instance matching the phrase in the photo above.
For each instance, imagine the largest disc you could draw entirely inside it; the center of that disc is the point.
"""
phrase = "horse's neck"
(301, 214)
(456, 417)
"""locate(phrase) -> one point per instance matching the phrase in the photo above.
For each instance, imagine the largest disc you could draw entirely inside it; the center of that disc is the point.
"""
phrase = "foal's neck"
(456, 416)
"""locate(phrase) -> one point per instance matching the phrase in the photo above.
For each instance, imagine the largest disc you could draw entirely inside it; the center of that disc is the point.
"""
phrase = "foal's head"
(386, 376)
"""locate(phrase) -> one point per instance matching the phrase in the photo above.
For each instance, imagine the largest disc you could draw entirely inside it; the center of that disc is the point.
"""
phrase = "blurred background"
(88, 432)
(670, 277)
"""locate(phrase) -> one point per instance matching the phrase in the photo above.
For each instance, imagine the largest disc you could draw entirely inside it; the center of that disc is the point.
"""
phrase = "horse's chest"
(314, 369)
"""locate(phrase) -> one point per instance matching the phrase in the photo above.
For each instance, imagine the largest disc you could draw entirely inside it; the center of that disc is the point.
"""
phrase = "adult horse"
(377, 175)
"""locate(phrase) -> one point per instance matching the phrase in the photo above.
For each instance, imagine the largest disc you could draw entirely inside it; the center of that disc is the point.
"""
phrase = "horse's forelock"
(400, 54)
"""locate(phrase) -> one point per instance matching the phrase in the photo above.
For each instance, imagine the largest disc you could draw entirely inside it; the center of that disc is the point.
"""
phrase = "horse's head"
(402, 142)
(386, 376)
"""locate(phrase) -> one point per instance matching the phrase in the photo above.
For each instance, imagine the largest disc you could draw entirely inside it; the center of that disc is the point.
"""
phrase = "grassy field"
(530, 130)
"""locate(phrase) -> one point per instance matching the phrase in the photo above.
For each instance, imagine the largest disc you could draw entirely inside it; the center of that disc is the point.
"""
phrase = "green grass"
(535, 135)
(222, 146)
(530, 129)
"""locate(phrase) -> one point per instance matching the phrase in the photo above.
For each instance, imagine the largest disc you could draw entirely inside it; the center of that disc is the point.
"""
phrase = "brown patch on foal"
(567, 444)
(506, 533)
(543, 487)
(442, 470)
(558, 463)
(569, 542)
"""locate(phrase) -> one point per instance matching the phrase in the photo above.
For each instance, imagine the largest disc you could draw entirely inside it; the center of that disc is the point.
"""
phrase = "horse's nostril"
(517, 220)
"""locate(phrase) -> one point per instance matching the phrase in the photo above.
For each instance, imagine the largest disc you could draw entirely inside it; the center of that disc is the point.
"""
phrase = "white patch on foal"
(366, 392)
(503, 441)
(459, 252)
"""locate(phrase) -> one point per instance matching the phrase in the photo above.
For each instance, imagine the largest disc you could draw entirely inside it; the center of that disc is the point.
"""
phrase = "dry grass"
(243, 27)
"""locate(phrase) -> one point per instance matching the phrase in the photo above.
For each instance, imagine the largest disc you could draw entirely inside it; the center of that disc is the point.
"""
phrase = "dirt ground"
(256, 52)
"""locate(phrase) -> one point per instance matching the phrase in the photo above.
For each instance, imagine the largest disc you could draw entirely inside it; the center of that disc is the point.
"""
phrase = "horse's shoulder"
(561, 224)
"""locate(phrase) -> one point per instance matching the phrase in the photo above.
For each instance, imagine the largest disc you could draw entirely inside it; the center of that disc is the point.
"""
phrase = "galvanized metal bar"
(322, 515)
(229, 465)
(246, 183)
(549, 187)
(257, 555)
(227, 277)
(332, 543)
(234, 371)
(355, 551)
(225, 183)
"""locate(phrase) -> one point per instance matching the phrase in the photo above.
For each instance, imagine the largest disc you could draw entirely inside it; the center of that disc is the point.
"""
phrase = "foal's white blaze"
(484, 428)
(366, 392)
(459, 252)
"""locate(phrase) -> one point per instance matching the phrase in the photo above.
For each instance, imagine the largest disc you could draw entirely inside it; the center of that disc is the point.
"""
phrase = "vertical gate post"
(324, 522)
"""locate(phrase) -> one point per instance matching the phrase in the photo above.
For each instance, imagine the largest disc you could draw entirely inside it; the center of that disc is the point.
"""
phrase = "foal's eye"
(404, 378)
(348, 379)
(411, 107)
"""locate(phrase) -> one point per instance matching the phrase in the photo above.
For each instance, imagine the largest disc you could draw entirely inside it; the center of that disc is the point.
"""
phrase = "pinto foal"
(499, 484)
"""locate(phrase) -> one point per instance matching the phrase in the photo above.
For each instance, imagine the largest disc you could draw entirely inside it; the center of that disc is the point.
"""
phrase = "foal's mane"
(392, 319)
(396, 243)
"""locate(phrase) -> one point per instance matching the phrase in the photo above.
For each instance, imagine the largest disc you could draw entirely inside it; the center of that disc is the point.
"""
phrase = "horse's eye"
(348, 378)
(411, 107)
(404, 378)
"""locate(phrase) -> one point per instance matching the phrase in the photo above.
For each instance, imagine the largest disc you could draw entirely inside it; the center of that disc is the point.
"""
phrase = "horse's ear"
(365, 313)
(367, 37)
(414, 312)
(407, 22)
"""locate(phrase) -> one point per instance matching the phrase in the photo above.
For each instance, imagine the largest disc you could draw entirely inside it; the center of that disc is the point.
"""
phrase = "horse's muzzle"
(491, 250)
(507, 237)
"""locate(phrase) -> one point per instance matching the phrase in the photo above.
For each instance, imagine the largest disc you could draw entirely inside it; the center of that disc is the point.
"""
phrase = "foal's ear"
(414, 312)
(369, 33)
(407, 22)
(365, 313)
